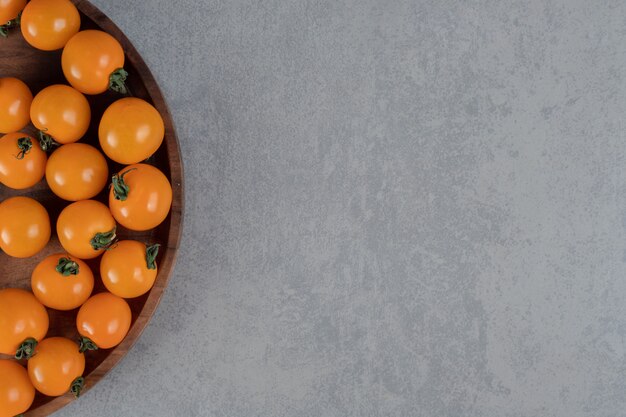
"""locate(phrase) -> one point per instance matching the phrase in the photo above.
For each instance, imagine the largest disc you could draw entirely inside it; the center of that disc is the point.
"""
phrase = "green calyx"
(120, 188)
(46, 142)
(103, 240)
(24, 144)
(77, 386)
(117, 81)
(4, 29)
(86, 344)
(67, 267)
(26, 349)
(151, 255)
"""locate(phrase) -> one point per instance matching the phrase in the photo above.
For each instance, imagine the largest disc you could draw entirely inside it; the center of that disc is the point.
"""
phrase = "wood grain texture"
(40, 69)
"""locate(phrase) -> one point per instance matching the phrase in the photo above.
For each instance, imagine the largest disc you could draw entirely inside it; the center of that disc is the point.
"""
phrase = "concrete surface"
(394, 208)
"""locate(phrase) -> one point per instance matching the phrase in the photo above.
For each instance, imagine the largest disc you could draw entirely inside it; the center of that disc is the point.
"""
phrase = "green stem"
(117, 81)
(24, 144)
(86, 344)
(46, 142)
(120, 188)
(4, 29)
(67, 267)
(151, 254)
(77, 386)
(27, 349)
(103, 240)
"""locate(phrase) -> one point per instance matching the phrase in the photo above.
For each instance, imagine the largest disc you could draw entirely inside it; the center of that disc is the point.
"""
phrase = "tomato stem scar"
(27, 349)
(86, 344)
(4, 29)
(77, 386)
(117, 81)
(151, 254)
(103, 240)
(46, 142)
(67, 267)
(24, 145)
(120, 188)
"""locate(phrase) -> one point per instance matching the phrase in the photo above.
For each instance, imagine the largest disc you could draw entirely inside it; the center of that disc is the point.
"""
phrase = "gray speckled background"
(394, 208)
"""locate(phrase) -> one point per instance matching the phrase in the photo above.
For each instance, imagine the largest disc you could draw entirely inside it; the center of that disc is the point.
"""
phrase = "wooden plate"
(40, 69)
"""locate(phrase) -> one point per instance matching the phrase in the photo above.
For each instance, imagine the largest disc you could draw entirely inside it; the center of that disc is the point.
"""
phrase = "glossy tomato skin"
(131, 130)
(24, 227)
(15, 100)
(104, 319)
(88, 60)
(49, 24)
(16, 391)
(55, 365)
(21, 317)
(124, 269)
(58, 291)
(9, 9)
(79, 222)
(76, 172)
(148, 201)
(20, 170)
(61, 112)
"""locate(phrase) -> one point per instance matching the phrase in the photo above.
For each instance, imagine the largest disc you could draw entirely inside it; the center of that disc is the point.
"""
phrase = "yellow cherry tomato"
(9, 9)
(49, 24)
(62, 282)
(131, 130)
(86, 228)
(104, 320)
(24, 227)
(22, 317)
(57, 367)
(22, 162)
(93, 62)
(15, 99)
(129, 268)
(61, 112)
(16, 391)
(76, 172)
(141, 197)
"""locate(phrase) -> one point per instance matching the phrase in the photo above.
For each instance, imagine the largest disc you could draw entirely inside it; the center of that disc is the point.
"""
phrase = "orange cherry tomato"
(22, 162)
(9, 9)
(49, 24)
(141, 197)
(104, 320)
(22, 317)
(62, 282)
(93, 62)
(131, 130)
(15, 99)
(76, 172)
(61, 112)
(57, 367)
(16, 391)
(85, 228)
(24, 227)
(129, 268)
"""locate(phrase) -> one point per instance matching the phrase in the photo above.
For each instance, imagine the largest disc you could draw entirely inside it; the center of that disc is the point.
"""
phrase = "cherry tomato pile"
(139, 198)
